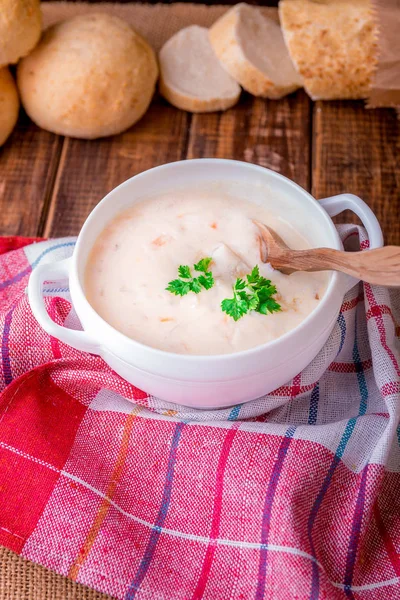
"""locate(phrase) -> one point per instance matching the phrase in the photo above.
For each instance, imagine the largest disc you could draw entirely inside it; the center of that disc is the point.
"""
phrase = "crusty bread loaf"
(89, 77)
(9, 104)
(192, 77)
(252, 50)
(20, 28)
(332, 44)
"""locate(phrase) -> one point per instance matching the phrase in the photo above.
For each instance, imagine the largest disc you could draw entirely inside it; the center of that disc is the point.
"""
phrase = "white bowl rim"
(334, 279)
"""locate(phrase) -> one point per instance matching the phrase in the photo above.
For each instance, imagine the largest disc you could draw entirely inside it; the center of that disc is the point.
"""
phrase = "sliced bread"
(252, 49)
(192, 77)
(332, 44)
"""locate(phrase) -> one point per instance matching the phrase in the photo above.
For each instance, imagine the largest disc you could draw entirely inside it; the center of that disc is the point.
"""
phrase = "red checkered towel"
(295, 495)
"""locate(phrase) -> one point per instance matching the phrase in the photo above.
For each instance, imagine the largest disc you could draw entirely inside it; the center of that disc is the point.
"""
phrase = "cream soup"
(138, 254)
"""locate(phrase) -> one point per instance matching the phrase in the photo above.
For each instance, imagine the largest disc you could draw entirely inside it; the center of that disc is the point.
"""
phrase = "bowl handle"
(337, 204)
(54, 272)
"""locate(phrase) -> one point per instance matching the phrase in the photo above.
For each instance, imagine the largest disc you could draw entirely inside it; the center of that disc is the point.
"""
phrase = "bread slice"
(192, 77)
(252, 50)
(332, 44)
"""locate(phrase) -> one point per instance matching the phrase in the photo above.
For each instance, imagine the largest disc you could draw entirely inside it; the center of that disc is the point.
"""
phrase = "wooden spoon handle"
(380, 266)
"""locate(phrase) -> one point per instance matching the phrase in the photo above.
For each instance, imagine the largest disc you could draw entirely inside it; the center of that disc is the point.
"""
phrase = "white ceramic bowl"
(219, 380)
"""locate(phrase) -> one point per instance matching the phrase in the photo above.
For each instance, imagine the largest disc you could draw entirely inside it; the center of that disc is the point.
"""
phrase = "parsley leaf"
(206, 280)
(187, 283)
(256, 281)
(267, 304)
(184, 272)
(239, 285)
(255, 293)
(253, 302)
(178, 287)
(234, 307)
(202, 265)
(254, 276)
(195, 286)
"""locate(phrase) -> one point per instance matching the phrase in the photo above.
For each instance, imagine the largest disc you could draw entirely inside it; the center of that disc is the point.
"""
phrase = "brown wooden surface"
(269, 133)
(357, 150)
(48, 184)
(28, 165)
(88, 170)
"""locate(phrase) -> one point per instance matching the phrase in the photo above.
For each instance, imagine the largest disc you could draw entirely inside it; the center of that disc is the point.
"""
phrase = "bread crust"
(192, 104)
(20, 29)
(333, 46)
(90, 76)
(224, 39)
(9, 104)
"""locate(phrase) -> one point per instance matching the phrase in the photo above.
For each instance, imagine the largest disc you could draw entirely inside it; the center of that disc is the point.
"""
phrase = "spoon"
(380, 266)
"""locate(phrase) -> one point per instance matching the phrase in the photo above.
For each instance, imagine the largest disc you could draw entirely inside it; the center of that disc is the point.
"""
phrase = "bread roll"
(89, 77)
(9, 104)
(20, 28)
(332, 44)
(252, 50)
(192, 77)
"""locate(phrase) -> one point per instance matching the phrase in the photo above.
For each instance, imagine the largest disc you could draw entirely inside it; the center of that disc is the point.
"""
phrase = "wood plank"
(90, 169)
(274, 134)
(356, 150)
(28, 164)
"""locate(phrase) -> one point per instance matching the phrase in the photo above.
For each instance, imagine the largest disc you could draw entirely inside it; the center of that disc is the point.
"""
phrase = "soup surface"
(139, 252)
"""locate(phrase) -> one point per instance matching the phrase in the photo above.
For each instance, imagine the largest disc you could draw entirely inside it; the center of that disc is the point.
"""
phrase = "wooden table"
(49, 184)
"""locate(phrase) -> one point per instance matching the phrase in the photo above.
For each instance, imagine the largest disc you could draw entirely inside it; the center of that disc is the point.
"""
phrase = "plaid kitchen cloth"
(295, 495)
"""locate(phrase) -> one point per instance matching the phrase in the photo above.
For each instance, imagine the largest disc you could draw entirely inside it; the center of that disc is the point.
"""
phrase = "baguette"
(252, 49)
(332, 44)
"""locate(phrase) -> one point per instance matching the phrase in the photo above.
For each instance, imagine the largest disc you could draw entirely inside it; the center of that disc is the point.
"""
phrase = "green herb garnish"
(187, 283)
(253, 293)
